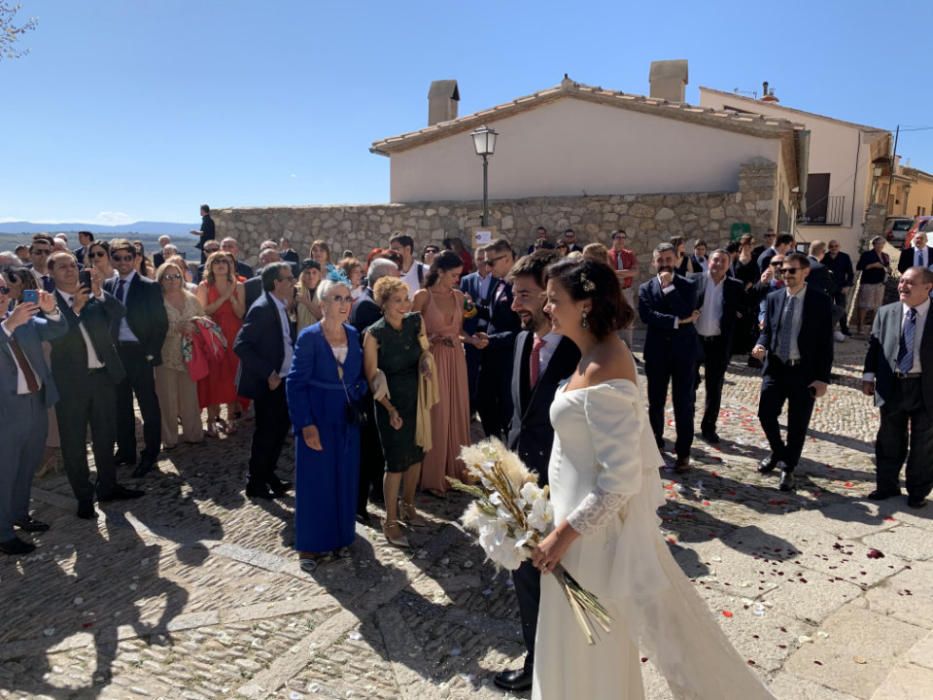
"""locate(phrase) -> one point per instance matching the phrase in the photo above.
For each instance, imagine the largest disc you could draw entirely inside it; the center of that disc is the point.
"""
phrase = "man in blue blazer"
(27, 391)
(796, 345)
(139, 335)
(476, 284)
(265, 346)
(495, 374)
(667, 305)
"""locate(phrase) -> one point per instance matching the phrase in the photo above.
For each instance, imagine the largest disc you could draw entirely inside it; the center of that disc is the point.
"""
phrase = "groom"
(542, 360)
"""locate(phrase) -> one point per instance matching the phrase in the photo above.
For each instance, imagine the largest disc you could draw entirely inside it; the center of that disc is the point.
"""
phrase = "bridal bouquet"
(511, 515)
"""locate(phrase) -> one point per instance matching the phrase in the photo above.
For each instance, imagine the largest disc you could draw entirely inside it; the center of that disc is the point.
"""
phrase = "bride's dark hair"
(588, 279)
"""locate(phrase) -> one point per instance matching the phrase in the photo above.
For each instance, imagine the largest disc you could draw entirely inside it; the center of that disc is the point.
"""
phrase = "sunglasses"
(122, 258)
(4, 290)
(790, 270)
(775, 264)
(171, 277)
(492, 261)
(340, 299)
(97, 254)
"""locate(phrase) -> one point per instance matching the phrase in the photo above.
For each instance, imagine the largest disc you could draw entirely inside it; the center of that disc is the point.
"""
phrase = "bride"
(605, 490)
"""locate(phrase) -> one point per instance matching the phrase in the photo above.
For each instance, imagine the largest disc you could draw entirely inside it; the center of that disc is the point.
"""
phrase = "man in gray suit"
(900, 349)
(27, 391)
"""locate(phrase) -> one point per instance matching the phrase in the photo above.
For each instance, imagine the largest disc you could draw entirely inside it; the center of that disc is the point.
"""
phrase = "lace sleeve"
(596, 510)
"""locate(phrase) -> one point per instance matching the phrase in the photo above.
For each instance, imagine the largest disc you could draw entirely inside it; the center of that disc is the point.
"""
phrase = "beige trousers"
(178, 398)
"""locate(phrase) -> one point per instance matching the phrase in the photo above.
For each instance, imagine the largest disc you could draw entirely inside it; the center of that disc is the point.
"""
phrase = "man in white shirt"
(87, 369)
(918, 255)
(721, 298)
(412, 272)
(899, 374)
(27, 391)
(265, 346)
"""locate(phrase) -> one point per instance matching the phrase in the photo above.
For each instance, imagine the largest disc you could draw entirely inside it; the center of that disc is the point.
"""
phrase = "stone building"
(569, 156)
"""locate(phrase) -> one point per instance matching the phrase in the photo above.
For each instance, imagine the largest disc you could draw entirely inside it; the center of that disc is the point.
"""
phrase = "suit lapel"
(524, 371)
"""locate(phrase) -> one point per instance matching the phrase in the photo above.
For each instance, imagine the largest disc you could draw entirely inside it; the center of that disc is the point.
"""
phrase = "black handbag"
(355, 415)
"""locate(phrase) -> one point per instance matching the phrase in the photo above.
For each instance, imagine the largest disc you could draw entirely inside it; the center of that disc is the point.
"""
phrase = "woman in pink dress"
(441, 305)
(224, 300)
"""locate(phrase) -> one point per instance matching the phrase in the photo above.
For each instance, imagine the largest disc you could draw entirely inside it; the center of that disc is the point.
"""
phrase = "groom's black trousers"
(528, 589)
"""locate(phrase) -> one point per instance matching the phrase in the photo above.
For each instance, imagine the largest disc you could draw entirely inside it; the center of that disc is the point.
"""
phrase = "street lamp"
(484, 143)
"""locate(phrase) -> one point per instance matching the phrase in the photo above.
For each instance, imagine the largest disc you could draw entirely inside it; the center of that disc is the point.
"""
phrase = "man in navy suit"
(918, 255)
(667, 305)
(541, 361)
(721, 300)
(87, 370)
(899, 374)
(85, 238)
(476, 285)
(782, 245)
(139, 335)
(28, 391)
(495, 375)
(796, 345)
(265, 346)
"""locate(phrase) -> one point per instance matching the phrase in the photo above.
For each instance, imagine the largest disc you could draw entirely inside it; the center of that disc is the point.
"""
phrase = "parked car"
(921, 223)
(896, 228)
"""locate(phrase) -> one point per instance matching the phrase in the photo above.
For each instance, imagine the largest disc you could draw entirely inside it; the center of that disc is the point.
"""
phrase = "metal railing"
(832, 215)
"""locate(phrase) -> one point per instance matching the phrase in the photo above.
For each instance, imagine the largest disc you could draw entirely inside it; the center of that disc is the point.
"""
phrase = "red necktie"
(31, 383)
(535, 369)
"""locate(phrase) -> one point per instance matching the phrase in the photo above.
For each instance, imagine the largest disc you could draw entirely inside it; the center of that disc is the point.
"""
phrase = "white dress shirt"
(93, 361)
(286, 336)
(708, 324)
(126, 335)
(922, 256)
(411, 278)
(484, 283)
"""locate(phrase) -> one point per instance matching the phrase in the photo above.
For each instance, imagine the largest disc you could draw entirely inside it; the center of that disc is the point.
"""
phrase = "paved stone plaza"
(195, 592)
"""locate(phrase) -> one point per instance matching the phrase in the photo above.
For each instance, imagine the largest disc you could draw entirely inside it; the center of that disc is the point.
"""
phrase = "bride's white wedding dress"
(604, 477)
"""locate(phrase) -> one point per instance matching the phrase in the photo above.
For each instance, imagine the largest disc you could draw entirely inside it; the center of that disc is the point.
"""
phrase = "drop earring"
(584, 322)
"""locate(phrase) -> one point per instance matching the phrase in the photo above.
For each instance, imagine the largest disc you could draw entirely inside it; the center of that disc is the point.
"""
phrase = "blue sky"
(130, 110)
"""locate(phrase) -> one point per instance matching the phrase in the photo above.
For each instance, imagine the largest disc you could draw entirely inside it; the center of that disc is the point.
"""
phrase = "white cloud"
(112, 218)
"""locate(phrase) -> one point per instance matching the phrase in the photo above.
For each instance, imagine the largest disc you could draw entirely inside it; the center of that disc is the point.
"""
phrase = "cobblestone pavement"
(194, 592)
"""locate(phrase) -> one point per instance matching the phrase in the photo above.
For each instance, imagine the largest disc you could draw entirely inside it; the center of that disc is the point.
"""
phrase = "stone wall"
(647, 218)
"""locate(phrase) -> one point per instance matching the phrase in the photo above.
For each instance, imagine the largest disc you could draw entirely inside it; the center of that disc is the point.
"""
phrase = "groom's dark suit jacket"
(531, 433)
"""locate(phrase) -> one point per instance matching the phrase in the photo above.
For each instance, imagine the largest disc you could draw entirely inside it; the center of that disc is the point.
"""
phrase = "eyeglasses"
(492, 261)
(790, 270)
(340, 299)
(122, 258)
(4, 290)
(777, 264)
(171, 277)
(97, 254)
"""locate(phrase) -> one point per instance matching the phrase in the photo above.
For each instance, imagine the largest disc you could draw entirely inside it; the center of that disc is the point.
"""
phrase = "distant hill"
(141, 227)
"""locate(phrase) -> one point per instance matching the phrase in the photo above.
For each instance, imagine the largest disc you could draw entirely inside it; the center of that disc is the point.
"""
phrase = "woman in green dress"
(393, 346)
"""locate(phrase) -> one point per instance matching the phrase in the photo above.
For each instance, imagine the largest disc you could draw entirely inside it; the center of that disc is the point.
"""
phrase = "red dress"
(219, 386)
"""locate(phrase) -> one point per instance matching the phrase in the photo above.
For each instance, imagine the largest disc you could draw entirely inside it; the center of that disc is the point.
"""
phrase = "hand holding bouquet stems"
(512, 516)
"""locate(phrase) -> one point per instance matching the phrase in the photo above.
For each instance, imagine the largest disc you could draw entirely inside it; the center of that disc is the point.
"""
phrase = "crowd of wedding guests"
(379, 364)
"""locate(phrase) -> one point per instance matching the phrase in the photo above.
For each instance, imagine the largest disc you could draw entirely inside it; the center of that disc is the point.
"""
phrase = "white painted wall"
(572, 147)
(841, 150)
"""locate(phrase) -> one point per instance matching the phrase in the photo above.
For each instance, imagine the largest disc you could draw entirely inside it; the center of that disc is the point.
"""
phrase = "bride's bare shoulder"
(611, 359)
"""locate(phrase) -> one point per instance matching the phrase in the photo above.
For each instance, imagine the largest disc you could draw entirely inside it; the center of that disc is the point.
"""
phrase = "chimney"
(668, 80)
(442, 101)
(766, 95)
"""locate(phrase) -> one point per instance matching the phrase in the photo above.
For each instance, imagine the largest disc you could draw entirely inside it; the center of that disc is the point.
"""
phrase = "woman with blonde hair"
(393, 346)
(307, 307)
(597, 252)
(178, 394)
(224, 300)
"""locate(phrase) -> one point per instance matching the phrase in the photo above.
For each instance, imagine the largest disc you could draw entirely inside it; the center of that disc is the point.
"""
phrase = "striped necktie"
(905, 352)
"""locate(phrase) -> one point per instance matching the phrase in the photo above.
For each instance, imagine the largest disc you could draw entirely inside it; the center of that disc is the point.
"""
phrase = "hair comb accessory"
(586, 283)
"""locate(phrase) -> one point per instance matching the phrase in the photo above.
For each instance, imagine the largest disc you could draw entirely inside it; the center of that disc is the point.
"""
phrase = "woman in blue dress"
(326, 377)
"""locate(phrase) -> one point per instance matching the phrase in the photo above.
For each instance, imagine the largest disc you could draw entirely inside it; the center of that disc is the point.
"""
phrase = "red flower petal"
(875, 554)
(727, 613)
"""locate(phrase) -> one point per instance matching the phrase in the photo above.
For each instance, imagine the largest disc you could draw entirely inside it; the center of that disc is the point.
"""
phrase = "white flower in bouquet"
(512, 514)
